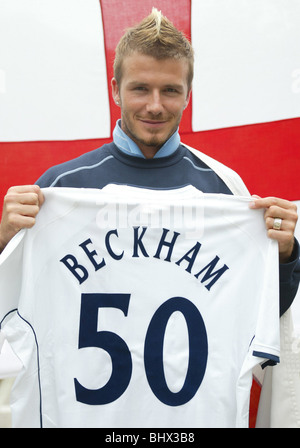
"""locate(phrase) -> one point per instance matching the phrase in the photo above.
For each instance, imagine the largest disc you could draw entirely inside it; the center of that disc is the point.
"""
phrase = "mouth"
(153, 123)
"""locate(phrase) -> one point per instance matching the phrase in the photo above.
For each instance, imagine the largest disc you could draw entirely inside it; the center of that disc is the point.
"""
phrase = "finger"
(40, 195)
(26, 210)
(282, 236)
(24, 188)
(271, 201)
(22, 198)
(12, 202)
(285, 241)
(269, 221)
(22, 222)
(278, 212)
(289, 217)
(286, 226)
(20, 190)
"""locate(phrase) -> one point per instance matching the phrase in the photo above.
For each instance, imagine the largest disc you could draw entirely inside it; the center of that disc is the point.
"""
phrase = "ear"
(115, 91)
(188, 97)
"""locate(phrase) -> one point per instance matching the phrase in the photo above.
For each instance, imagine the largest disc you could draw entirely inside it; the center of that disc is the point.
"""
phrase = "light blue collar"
(125, 144)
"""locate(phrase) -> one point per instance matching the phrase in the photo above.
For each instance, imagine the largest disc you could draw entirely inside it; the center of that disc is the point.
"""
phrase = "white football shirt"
(139, 308)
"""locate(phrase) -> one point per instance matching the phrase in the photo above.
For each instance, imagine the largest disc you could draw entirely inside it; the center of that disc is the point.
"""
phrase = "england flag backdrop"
(56, 61)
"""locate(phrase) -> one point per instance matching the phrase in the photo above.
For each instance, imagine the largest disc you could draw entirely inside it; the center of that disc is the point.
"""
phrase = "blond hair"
(154, 36)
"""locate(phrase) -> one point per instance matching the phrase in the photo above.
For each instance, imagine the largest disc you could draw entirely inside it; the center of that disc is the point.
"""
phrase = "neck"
(149, 151)
(139, 149)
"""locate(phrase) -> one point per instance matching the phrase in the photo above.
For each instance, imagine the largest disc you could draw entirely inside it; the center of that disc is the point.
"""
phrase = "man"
(152, 85)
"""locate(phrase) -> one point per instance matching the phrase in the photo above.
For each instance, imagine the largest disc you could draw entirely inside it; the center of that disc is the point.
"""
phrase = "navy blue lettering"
(170, 244)
(79, 271)
(137, 243)
(215, 275)
(108, 246)
(92, 255)
(114, 345)
(191, 259)
(154, 351)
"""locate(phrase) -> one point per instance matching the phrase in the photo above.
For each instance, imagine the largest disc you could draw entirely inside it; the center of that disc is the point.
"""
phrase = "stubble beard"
(153, 141)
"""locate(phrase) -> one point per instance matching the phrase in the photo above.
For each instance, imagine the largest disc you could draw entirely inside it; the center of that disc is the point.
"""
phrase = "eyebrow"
(144, 84)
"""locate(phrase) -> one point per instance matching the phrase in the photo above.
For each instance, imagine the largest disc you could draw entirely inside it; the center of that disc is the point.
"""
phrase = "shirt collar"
(125, 144)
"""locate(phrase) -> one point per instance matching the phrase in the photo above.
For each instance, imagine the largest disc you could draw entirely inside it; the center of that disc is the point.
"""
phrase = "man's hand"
(287, 212)
(20, 207)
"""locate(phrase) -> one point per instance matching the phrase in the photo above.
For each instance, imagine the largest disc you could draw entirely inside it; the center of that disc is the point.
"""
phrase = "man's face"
(153, 95)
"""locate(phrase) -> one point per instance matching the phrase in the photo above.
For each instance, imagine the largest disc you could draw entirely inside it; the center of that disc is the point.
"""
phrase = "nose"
(154, 105)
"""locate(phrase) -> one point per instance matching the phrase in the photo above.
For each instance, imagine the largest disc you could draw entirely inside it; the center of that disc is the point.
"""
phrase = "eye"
(172, 91)
(140, 88)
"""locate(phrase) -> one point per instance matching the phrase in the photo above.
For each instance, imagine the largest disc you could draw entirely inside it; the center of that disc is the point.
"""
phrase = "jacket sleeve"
(289, 275)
